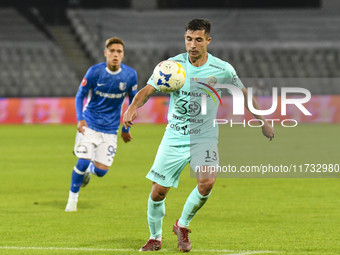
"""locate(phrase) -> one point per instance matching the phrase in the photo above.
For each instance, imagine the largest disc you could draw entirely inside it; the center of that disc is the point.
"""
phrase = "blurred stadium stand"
(31, 64)
(258, 43)
(290, 43)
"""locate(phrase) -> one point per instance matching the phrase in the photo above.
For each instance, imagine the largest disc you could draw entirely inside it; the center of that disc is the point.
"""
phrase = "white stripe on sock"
(91, 169)
(78, 171)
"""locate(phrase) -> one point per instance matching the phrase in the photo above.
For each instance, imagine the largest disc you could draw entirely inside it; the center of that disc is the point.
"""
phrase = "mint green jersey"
(193, 108)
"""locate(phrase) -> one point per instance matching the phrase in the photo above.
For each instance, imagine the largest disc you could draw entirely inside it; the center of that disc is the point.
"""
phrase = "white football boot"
(71, 206)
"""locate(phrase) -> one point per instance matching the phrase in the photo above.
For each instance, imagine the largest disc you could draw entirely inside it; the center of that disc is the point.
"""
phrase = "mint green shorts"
(171, 160)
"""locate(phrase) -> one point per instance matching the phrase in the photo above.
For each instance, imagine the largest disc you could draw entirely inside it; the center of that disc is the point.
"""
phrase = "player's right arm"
(79, 110)
(83, 89)
(81, 126)
(139, 100)
(267, 129)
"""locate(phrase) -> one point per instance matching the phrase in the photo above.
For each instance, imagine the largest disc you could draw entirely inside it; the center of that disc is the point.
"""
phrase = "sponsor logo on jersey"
(83, 82)
(109, 95)
(195, 120)
(100, 84)
(185, 130)
(122, 86)
(188, 93)
(194, 108)
(178, 117)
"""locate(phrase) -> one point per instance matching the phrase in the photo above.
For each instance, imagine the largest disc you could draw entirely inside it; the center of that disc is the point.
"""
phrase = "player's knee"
(99, 169)
(158, 192)
(100, 172)
(82, 164)
(158, 196)
(205, 186)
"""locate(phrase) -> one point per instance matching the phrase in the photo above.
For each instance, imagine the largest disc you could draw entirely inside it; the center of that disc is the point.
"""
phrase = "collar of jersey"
(111, 72)
(197, 67)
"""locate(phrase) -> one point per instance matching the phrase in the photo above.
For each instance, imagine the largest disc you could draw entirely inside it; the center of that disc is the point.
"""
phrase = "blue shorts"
(171, 160)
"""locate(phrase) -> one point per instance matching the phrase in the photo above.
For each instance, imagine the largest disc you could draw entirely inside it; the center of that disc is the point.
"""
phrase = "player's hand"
(126, 136)
(81, 126)
(129, 116)
(268, 131)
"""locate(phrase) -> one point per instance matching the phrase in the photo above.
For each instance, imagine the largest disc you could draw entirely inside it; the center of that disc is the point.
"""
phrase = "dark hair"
(199, 24)
(113, 40)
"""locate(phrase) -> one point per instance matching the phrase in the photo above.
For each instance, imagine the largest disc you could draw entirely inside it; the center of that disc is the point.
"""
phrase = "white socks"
(73, 196)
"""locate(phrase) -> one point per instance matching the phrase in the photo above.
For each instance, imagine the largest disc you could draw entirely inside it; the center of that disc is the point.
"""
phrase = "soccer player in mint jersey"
(105, 85)
(181, 144)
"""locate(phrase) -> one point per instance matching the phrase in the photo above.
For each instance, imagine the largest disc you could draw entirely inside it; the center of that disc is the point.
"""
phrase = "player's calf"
(78, 174)
(205, 186)
(77, 180)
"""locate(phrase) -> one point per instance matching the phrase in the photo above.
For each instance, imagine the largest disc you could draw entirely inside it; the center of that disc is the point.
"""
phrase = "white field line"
(61, 248)
(250, 252)
(127, 250)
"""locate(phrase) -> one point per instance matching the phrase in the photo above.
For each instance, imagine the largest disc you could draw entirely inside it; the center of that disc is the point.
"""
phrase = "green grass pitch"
(242, 216)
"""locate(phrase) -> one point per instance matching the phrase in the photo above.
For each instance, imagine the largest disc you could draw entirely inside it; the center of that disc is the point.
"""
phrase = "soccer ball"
(169, 76)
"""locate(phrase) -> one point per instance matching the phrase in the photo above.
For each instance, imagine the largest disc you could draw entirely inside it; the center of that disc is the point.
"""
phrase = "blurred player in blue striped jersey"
(105, 85)
(187, 139)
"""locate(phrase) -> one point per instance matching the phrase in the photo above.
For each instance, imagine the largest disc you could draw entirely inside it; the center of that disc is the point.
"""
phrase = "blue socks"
(97, 171)
(79, 171)
(194, 202)
(156, 212)
(78, 174)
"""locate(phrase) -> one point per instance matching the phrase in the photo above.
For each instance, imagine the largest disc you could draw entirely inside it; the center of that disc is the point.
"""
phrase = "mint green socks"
(156, 212)
(194, 202)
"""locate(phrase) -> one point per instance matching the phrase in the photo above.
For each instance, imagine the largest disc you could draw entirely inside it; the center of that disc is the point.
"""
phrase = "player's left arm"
(126, 134)
(127, 137)
(267, 129)
(132, 91)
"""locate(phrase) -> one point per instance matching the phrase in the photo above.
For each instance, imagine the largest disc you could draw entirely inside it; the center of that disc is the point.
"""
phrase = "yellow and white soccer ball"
(169, 76)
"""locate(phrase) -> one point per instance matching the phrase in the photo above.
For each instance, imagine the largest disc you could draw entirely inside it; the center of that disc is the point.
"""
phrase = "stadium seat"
(30, 61)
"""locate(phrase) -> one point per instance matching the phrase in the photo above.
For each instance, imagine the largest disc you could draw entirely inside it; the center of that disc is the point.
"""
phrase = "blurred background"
(46, 46)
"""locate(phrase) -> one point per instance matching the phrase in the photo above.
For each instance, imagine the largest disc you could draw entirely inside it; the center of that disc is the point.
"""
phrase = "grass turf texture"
(242, 216)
